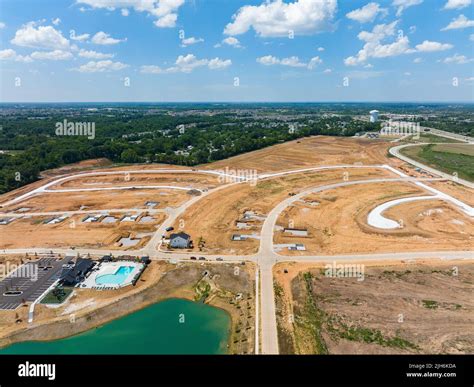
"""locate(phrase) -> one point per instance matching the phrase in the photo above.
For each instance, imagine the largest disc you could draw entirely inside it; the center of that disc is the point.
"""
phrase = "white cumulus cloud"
(458, 23)
(367, 13)
(52, 55)
(457, 4)
(458, 59)
(292, 61)
(186, 64)
(91, 54)
(164, 11)
(428, 46)
(374, 48)
(101, 66)
(10, 54)
(190, 41)
(232, 41)
(105, 39)
(277, 18)
(42, 37)
(404, 4)
(79, 38)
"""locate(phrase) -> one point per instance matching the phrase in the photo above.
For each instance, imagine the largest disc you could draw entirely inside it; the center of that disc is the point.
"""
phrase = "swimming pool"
(117, 278)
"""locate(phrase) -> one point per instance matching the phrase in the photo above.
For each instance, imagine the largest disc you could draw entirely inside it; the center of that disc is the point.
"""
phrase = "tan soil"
(73, 201)
(32, 232)
(338, 225)
(311, 151)
(391, 299)
(214, 217)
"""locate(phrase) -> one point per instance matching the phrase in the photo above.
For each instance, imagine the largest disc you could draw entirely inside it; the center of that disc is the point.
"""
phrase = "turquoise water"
(116, 278)
(174, 326)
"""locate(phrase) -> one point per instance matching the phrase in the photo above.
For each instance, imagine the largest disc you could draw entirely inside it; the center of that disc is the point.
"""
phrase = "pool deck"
(109, 268)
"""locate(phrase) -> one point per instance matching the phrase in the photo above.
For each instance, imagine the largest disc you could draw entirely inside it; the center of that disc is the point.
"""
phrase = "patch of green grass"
(202, 289)
(366, 335)
(313, 317)
(56, 296)
(447, 162)
(277, 289)
(430, 304)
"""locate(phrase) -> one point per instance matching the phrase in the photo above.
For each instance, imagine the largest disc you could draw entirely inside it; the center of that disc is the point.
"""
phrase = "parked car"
(193, 258)
(169, 228)
(219, 259)
(202, 258)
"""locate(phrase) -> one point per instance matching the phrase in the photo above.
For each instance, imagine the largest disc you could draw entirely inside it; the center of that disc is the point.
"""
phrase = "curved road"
(266, 256)
(395, 151)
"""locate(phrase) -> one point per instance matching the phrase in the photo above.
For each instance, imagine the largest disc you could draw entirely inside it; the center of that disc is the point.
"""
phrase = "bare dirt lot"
(423, 307)
(160, 281)
(311, 151)
(32, 232)
(105, 200)
(337, 224)
(214, 217)
(178, 179)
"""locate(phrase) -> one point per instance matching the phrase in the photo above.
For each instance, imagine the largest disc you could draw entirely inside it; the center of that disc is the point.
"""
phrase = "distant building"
(180, 240)
(374, 115)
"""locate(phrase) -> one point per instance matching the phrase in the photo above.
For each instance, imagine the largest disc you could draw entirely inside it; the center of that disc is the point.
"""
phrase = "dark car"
(193, 258)
(169, 228)
(202, 258)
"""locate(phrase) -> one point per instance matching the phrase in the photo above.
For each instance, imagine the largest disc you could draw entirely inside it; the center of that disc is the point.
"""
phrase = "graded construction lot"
(457, 191)
(214, 217)
(337, 222)
(424, 307)
(100, 200)
(33, 232)
(124, 179)
(217, 285)
(307, 152)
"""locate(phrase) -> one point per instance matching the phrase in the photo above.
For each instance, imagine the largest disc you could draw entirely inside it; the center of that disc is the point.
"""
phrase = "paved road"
(395, 151)
(79, 212)
(442, 133)
(266, 257)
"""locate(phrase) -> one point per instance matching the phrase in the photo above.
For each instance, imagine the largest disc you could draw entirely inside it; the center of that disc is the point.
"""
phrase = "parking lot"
(29, 281)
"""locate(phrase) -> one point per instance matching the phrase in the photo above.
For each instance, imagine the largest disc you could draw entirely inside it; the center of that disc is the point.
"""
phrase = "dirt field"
(424, 307)
(337, 224)
(457, 191)
(214, 217)
(199, 181)
(105, 200)
(86, 309)
(32, 232)
(312, 151)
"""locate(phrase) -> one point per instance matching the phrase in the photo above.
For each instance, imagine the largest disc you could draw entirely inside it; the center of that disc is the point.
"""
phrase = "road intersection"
(266, 256)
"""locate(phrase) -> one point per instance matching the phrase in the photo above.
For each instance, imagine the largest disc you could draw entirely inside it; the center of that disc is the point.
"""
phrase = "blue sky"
(236, 50)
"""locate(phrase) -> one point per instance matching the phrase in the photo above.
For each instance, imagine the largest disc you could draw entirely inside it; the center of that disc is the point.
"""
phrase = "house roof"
(180, 235)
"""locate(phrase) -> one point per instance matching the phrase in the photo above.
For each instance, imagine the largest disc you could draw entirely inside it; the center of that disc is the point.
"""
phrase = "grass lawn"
(56, 298)
(427, 137)
(446, 158)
